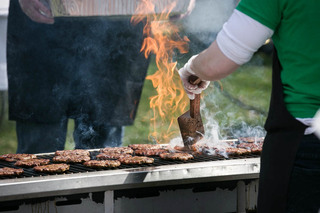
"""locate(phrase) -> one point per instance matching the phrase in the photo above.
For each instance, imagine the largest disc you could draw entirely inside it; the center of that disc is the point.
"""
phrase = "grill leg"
(108, 202)
(241, 197)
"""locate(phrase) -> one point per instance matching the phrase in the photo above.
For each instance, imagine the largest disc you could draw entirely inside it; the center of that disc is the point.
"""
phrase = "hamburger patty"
(150, 152)
(109, 156)
(136, 160)
(144, 146)
(70, 158)
(176, 156)
(52, 168)
(6, 171)
(16, 157)
(72, 152)
(32, 162)
(117, 150)
(102, 163)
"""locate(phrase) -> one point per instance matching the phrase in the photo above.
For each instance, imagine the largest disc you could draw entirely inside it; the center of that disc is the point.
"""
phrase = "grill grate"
(79, 168)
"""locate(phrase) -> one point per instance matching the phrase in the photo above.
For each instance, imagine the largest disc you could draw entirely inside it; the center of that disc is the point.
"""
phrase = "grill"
(80, 179)
(79, 168)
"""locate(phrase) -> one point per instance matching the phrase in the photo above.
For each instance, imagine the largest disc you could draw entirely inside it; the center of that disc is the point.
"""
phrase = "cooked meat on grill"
(6, 171)
(52, 168)
(136, 160)
(71, 158)
(199, 147)
(16, 157)
(150, 152)
(255, 148)
(72, 152)
(237, 151)
(102, 163)
(110, 156)
(251, 139)
(144, 146)
(176, 156)
(118, 150)
(32, 162)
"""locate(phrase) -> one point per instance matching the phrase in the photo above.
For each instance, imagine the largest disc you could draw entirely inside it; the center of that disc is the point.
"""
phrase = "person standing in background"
(88, 69)
(290, 161)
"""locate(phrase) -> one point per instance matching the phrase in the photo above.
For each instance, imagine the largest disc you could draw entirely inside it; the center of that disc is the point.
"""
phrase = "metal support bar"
(109, 202)
(241, 197)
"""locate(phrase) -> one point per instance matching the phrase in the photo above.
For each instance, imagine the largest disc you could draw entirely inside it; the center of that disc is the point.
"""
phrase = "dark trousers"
(304, 186)
(42, 138)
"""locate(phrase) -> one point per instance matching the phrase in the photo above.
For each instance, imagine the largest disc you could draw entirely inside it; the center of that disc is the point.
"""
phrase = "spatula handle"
(195, 106)
(195, 103)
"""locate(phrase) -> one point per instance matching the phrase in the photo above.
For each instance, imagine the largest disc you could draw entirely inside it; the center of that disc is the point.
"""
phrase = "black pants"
(42, 138)
(304, 186)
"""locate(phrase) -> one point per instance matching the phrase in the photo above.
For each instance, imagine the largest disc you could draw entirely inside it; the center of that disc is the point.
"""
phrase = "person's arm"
(239, 38)
(212, 64)
(36, 11)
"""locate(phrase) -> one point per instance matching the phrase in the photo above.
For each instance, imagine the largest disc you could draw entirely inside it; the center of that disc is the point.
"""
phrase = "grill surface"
(81, 179)
(79, 168)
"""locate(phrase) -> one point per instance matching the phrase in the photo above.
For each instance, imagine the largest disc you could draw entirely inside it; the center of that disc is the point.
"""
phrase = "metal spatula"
(190, 123)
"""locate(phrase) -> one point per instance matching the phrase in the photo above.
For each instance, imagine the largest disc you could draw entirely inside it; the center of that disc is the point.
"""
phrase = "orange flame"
(162, 39)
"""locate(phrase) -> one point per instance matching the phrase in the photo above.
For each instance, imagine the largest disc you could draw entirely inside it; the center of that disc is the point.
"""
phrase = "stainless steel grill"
(79, 168)
(80, 179)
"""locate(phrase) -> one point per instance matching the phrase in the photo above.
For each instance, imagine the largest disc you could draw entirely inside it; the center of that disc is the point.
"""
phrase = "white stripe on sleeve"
(241, 36)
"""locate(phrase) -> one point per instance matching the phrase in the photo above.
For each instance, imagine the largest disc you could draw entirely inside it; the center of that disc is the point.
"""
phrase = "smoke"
(206, 19)
(225, 119)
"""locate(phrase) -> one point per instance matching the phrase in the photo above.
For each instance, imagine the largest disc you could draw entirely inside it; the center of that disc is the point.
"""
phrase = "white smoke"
(208, 17)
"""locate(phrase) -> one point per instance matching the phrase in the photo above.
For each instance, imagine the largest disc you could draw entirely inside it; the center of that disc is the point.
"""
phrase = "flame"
(162, 39)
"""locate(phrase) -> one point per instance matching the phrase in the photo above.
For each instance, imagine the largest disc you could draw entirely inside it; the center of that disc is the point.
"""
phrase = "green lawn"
(239, 106)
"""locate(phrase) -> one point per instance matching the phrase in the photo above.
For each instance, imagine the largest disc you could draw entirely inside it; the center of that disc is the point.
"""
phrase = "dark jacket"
(89, 66)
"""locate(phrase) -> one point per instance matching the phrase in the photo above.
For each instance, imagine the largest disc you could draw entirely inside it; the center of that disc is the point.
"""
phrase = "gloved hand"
(185, 72)
(36, 11)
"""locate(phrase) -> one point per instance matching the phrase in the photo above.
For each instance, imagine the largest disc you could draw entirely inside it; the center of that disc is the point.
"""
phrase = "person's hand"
(185, 72)
(36, 11)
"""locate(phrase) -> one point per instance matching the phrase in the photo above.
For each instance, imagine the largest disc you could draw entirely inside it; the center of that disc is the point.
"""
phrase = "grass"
(239, 107)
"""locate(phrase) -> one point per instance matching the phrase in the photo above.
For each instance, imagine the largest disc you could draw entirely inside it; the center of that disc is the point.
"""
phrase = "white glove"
(316, 124)
(185, 72)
